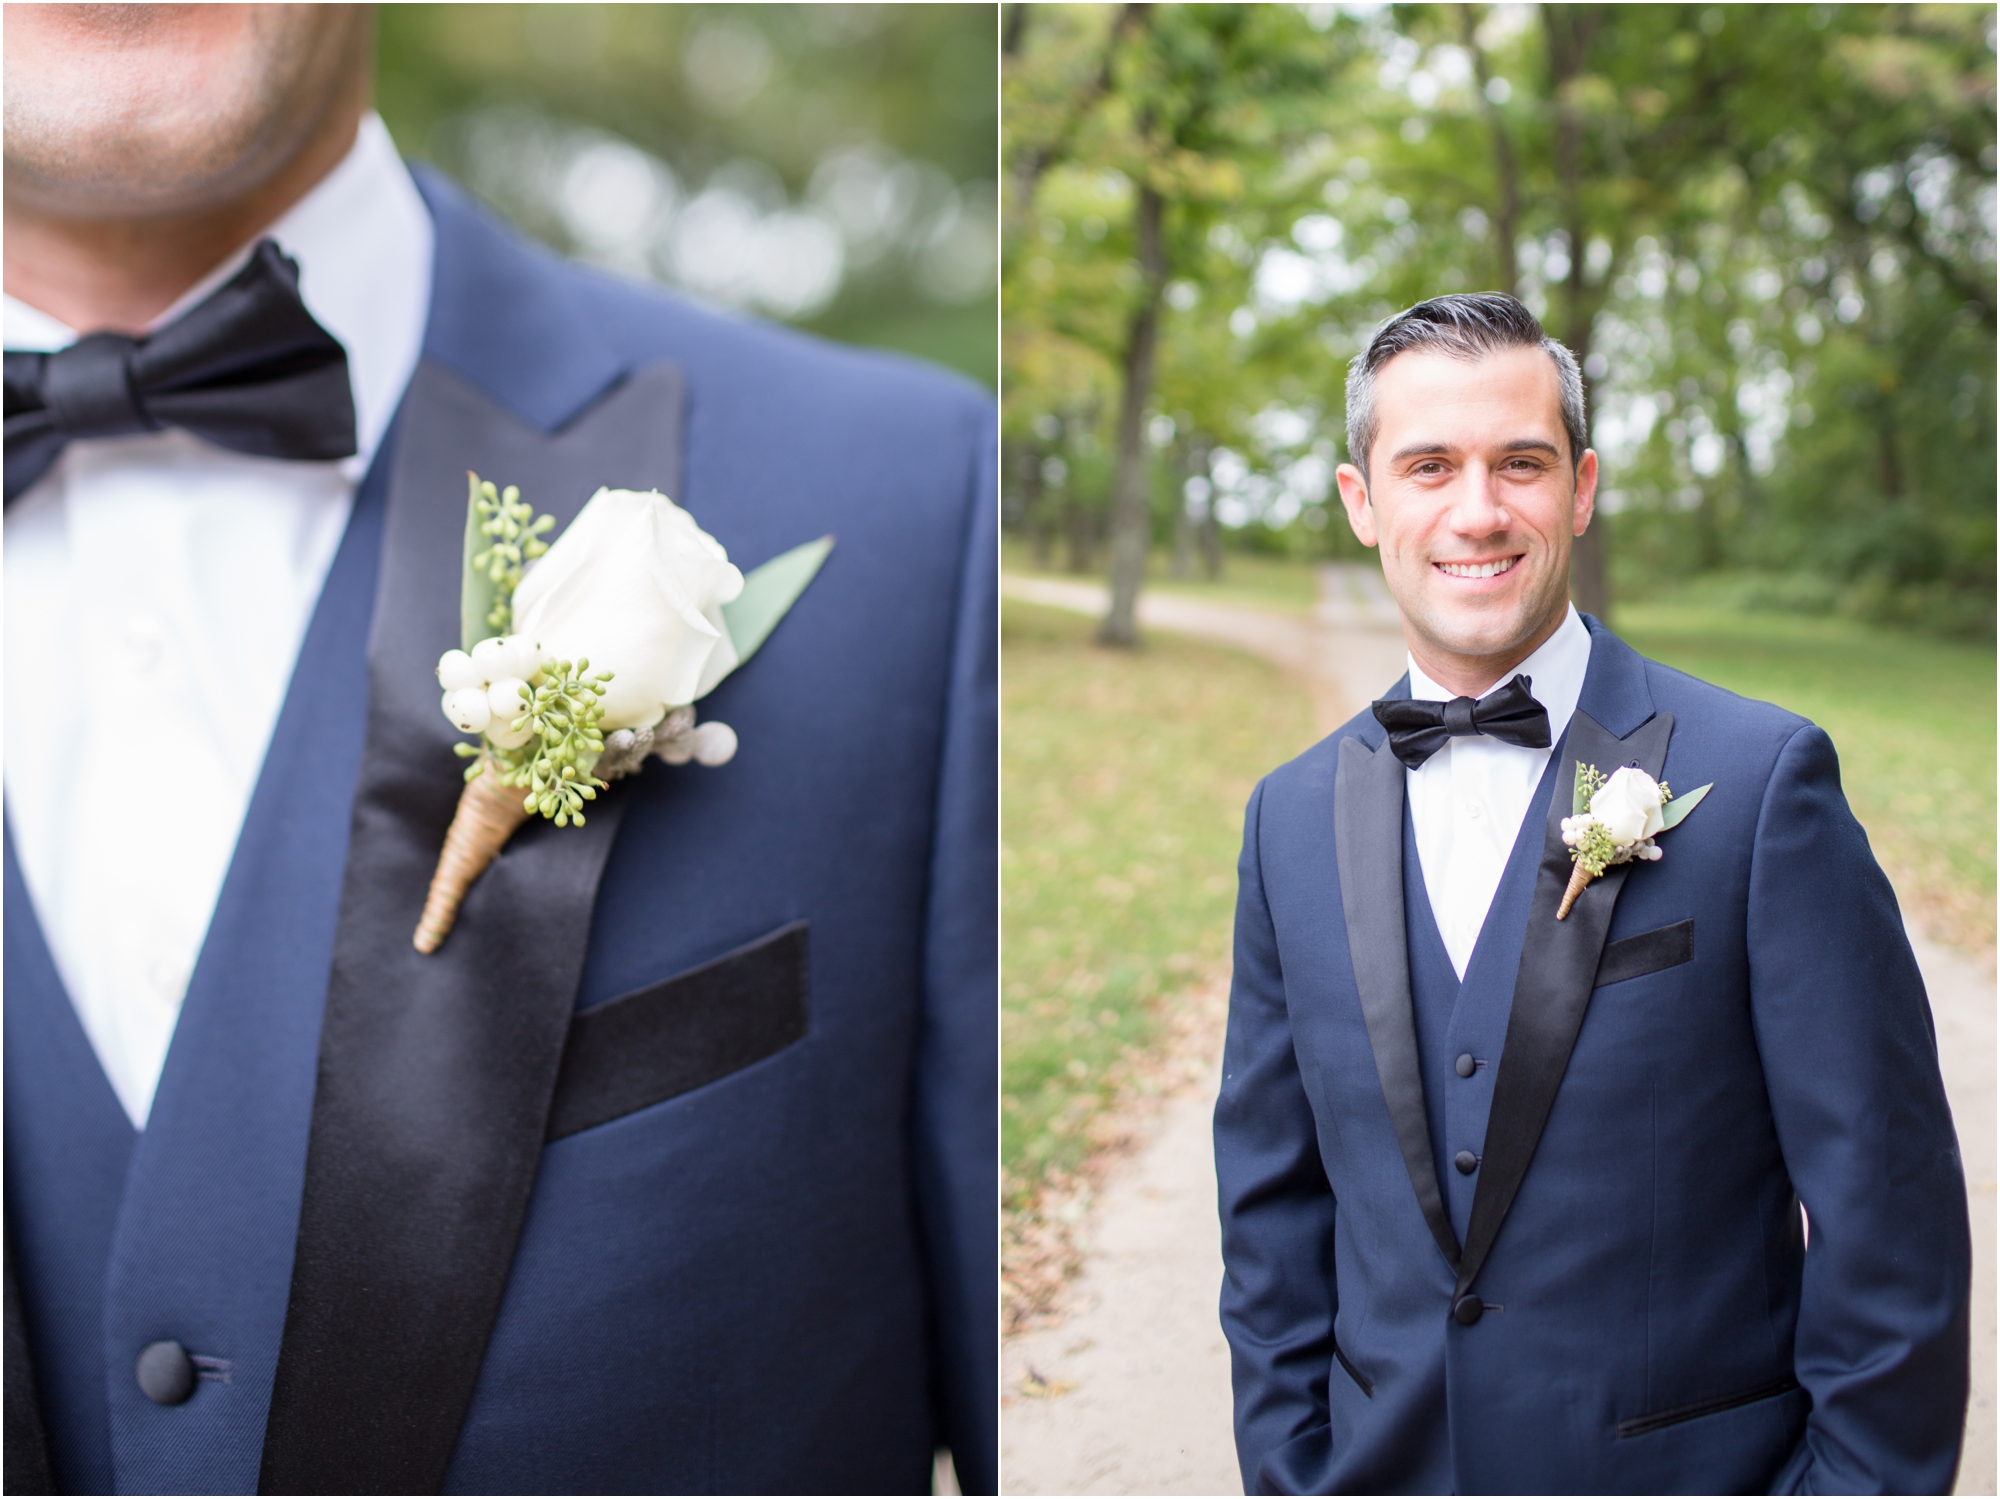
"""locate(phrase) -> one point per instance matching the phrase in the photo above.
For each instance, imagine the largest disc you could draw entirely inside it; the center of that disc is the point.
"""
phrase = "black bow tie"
(246, 368)
(1418, 730)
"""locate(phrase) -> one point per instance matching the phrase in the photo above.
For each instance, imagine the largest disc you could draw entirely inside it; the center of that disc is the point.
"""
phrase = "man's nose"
(1476, 508)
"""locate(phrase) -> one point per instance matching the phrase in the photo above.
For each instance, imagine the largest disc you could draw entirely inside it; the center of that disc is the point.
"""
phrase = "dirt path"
(1130, 1394)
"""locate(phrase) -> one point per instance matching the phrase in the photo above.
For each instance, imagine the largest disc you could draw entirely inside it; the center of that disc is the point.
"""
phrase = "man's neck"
(1475, 676)
(118, 274)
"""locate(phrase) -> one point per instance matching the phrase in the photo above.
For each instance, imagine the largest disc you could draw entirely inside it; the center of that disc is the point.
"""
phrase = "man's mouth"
(1475, 569)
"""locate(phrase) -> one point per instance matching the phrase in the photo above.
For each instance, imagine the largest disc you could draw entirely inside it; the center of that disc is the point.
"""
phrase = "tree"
(1191, 111)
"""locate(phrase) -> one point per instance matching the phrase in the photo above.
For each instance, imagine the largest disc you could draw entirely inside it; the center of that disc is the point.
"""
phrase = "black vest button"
(166, 1373)
(1466, 1162)
(1468, 1311)
(1466, 1065)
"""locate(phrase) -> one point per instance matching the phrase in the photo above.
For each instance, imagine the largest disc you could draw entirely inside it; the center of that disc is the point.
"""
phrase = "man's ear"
(1585, 504)
(1354, 500)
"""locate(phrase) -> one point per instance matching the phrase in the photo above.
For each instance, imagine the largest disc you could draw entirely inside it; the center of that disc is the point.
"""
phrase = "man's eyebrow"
(1421, 450)
(1445, 450)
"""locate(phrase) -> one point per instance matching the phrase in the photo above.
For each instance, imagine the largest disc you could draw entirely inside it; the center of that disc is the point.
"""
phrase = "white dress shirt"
(1467, 800)
(157, 592)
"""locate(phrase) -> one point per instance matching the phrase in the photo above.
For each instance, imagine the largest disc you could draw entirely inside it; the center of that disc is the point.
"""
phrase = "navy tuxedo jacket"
(674, 1170)
(1610, 1290)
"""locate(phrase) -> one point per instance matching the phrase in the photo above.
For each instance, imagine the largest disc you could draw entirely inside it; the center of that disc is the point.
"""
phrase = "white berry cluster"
(1576, 829)
(676, 739)
(486, 690)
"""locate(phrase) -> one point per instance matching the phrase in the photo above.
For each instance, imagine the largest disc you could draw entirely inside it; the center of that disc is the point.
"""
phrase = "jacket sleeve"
(955, 1098)
(1850, 1061)
(1278, 1293)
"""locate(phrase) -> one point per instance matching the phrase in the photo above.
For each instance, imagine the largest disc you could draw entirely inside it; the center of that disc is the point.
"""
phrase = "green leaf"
(769, 592)
(1680, 806)
(476, 588)
(1579, 800)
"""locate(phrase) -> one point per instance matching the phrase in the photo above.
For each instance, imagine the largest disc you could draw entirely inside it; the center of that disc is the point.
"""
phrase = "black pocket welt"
(677, 1035)
(1649, 952)
(1362, 1382)
(1638, 1426)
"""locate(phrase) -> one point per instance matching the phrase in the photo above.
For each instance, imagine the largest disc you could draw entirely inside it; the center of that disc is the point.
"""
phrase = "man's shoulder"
(1311, 773)
(1701, 709)
(782, 363)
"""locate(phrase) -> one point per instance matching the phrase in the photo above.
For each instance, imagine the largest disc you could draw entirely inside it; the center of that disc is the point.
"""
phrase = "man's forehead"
(1447, 393)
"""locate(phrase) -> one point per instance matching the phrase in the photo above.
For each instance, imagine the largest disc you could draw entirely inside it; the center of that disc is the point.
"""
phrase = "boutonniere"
(582, 657)
(1616, 821)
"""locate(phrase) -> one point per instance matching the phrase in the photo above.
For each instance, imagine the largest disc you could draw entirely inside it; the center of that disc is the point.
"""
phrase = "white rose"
(637, 588)
(1629, 806)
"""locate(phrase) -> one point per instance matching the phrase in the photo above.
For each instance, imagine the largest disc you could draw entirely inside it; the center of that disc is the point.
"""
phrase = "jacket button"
(1466, 1162)
(1468, 1311)
(166, 1373)
(1466, 1065)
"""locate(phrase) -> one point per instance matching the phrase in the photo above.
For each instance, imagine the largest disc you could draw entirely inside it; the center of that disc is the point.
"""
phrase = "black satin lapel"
(1552, 986)
(1368, 844)
(435, 1073)
(27, 1469)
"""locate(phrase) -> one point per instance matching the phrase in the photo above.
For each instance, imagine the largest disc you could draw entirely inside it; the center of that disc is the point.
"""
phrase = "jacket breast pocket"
(1648, 952)
(675, 1036)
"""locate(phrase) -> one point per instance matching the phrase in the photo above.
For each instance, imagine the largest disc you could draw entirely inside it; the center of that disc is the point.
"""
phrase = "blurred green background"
(829, 166)
(1766, 230)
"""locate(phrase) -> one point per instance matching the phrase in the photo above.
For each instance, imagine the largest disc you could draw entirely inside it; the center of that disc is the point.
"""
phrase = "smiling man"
(1511, 1191)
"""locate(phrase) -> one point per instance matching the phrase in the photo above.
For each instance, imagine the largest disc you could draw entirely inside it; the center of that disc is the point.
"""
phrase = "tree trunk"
(1885, 439)
(1708, 530)
(1190, 526)
(1570, 29)
(1507, 204)
(1034, 508)
(1746, 478)
(1183, 563)
(1079, 534)
(1131, 507)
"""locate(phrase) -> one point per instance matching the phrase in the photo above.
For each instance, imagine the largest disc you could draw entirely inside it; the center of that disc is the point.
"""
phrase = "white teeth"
(1477, 570)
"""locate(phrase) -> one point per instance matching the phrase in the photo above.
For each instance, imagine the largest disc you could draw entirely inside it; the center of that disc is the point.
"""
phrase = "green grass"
(1249, 579)
(1123, 779)
(1911, 716)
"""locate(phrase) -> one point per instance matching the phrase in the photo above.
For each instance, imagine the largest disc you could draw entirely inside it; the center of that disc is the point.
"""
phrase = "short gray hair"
(1465, 326)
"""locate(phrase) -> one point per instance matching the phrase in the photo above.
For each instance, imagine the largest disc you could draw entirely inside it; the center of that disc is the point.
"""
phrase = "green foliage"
(751, 102)
(769, 593)
(563, 711)
(1587, 781)
(1593, 851)
(1766, 230)
(513, 535)
(1678, 807)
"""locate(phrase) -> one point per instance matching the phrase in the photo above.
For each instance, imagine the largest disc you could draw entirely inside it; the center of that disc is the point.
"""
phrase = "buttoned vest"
(184, 1232)
(1460, 1025)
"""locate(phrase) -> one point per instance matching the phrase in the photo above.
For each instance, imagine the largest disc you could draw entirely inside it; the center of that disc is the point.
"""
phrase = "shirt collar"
(1555, 673)
(363, 240)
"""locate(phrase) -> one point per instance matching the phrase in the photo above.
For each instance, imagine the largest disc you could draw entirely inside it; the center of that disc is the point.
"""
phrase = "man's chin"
(1509, 634)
